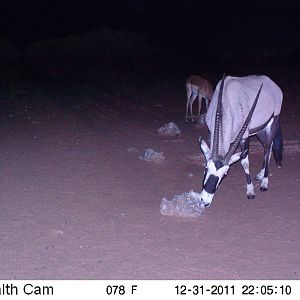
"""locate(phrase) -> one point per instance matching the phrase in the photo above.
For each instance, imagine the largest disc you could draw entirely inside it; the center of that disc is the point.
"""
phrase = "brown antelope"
(197, 86)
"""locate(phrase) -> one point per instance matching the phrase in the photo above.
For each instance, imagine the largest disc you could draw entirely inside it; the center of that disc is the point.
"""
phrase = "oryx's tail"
(278, 145)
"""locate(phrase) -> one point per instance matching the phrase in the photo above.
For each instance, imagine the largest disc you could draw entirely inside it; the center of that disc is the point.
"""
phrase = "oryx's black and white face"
(214, 173)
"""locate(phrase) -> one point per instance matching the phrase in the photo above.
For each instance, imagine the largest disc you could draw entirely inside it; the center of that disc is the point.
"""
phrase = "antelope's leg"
(199, 105)
(188, 97)
(192, 99)
(245, 164)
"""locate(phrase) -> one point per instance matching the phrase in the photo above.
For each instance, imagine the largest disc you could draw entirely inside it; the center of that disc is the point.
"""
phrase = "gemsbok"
(197, 86)
(241, 107)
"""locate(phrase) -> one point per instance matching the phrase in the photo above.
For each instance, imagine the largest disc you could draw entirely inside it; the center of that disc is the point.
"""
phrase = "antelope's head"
(217, 165)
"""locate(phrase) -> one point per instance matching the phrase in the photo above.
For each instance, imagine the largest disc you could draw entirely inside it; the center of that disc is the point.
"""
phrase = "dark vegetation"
(120, 61)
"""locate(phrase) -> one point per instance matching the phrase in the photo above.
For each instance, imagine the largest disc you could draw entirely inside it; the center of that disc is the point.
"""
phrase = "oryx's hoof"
(251, 196)
(263, 189)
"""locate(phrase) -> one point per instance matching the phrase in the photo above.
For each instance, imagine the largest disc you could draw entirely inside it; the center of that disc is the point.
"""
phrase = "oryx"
(197, 87)
(241, 107)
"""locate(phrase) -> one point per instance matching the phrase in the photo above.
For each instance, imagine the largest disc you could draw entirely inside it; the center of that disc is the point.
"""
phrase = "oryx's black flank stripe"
(211, 184)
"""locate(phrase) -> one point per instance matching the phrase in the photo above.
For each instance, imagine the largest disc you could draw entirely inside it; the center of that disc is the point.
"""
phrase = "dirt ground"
(78, 203)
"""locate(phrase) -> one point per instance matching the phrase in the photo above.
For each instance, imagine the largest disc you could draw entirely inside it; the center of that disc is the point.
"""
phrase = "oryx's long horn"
(235, 144)
(215, 150)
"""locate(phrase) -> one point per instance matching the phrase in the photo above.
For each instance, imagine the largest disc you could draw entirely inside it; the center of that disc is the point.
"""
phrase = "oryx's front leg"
(245, 163)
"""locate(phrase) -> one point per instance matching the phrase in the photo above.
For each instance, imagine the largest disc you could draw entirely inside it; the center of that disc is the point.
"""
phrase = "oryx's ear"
(204, 148)
(234, 158)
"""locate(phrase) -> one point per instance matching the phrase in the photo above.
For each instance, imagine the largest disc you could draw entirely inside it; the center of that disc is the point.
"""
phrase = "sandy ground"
(78, 203)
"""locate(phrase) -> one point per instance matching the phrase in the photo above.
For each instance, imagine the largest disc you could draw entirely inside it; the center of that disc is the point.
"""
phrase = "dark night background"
(158, 36)
(270, 22)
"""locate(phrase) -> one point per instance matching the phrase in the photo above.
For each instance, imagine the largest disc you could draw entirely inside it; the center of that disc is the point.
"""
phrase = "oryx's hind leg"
(263, 175)
(277, 142)
(267, 136)
(245, 163)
